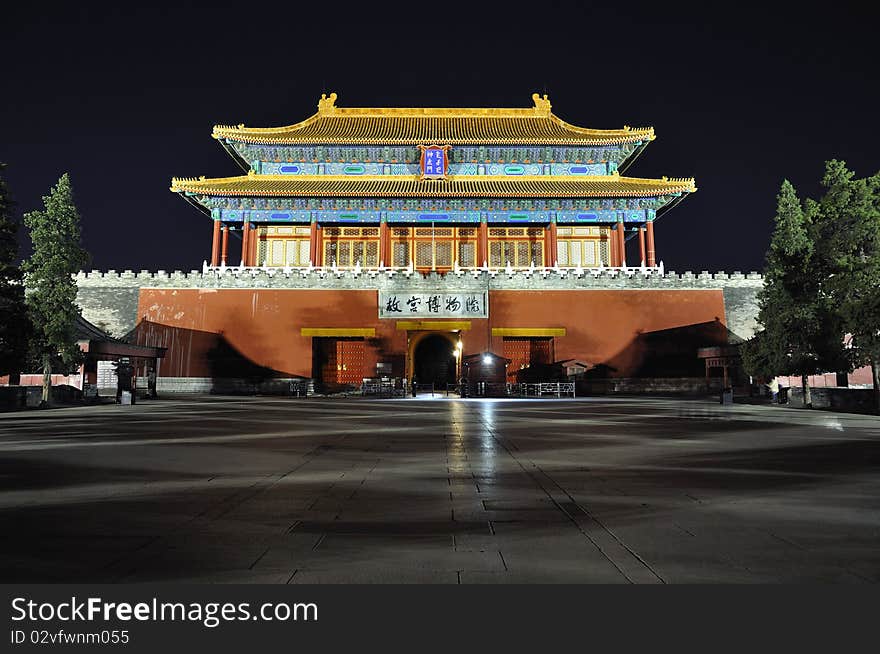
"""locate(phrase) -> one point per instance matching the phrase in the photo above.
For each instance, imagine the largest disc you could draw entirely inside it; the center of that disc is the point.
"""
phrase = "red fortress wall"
(264, 325)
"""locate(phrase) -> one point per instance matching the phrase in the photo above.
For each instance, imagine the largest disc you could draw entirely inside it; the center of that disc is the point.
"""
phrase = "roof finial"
(327, 105)
(542, 105)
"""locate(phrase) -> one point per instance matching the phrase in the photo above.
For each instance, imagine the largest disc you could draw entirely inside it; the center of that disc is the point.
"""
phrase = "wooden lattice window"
(581, 246)
(347, 247)
(520, 247)
(400, 254)
(284, 246)
(433, 248)
(467, 254)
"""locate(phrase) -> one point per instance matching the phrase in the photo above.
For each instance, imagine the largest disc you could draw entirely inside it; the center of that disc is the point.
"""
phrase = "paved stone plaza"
(439, 491)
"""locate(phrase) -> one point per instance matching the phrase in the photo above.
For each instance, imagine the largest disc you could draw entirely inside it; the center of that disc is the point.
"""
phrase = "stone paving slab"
(293, 490)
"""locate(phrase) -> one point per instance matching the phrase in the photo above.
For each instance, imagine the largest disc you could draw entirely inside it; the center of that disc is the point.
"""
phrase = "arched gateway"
(434, 358)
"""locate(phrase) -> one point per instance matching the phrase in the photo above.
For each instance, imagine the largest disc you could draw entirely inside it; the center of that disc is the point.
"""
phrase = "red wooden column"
(652, 257)
(245, 237)
(313, 244)
(225, 245)
(252, 246)
(612, 246)
(384, 238)
(319, 246)
(642, 257)
(482, 243)
(552, 247)
(548, 260)
(215, 245)
(621, 243)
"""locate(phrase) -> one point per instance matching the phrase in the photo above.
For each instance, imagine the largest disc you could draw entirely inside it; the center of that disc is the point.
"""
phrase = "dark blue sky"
(125, 97)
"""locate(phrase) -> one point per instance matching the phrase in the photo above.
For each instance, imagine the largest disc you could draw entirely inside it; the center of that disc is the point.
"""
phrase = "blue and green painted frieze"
(515, 205)
(463, 160)
(604, 216)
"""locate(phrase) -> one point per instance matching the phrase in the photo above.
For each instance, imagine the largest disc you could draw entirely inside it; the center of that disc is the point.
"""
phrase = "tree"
(851, 213)
(13, 314)
(801, 333)
(51, 290)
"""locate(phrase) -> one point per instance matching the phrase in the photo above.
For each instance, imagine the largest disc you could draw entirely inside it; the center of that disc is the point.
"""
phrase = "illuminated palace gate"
(432, 190)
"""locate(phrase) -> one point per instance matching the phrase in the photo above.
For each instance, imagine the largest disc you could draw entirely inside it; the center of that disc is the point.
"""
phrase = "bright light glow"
(487, 359)
(459, 345)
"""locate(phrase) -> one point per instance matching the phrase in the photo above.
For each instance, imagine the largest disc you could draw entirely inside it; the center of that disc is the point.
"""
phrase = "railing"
(390, 388)
(557, 389)
(497, 389)
(382, 387)
(425, 388)
(485, 389)
(390, 271)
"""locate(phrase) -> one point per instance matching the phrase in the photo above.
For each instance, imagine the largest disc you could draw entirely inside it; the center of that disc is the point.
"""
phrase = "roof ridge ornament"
(327, 105)
(542, 105)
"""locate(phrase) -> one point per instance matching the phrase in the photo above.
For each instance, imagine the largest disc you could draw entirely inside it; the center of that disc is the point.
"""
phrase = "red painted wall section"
(613, 327)
(262, 326)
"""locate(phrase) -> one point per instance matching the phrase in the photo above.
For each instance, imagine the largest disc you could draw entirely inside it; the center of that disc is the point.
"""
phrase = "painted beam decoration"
(398, 305)
(434, 161)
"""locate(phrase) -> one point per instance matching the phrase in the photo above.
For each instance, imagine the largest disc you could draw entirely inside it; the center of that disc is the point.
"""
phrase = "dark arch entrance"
(434, 361)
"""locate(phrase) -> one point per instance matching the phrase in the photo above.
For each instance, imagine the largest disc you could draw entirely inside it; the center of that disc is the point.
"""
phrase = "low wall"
(281, 386)
(12, 397)
(27, 379)
(649, 386)
(849, 400)
(19, 397)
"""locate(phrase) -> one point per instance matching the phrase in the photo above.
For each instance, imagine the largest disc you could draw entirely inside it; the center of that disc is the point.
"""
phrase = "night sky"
(124, 97)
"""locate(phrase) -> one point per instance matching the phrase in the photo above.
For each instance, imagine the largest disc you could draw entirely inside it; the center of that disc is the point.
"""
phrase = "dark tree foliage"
(801, 331)
(850, 239)
(13, 314)
(51, 297)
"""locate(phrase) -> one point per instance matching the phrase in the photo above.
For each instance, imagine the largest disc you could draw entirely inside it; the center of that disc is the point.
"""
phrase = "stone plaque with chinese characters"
(432, 305)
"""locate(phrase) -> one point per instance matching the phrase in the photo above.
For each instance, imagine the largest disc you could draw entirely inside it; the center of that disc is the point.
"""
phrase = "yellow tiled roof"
(476, 186)
(401, 126)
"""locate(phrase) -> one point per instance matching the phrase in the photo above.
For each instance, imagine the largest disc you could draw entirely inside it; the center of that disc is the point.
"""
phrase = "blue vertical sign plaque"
(434, 161)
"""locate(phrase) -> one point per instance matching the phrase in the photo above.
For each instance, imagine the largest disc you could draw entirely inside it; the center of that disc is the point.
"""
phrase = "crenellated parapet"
(346, 279)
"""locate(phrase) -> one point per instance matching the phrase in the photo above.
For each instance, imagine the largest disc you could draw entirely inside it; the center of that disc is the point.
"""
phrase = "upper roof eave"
(476, 186)
(410, 126)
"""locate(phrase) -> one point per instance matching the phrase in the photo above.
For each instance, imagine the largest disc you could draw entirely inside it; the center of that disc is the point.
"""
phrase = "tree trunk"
(805, 385)
(875, 377)
(47, 380)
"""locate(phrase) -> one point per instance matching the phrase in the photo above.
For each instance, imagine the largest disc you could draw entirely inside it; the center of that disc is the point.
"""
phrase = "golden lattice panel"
(400, 254)
(467, 255)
